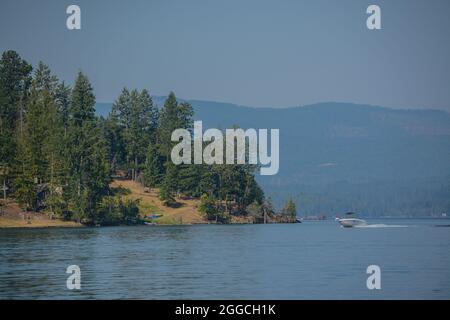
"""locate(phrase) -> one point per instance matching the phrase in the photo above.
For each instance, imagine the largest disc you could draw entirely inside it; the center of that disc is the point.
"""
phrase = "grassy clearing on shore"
(186, 213)
(12, 216)
(36, 223)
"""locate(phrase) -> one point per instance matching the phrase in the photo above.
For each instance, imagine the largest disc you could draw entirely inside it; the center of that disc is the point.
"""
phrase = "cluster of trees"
(53, 151)
(140, 143)
(57, 155)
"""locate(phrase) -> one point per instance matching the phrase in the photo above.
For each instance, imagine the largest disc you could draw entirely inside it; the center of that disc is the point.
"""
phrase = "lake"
(312, 260)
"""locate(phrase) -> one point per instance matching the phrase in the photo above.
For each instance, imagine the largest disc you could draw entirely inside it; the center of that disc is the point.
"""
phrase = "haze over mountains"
(339, 157)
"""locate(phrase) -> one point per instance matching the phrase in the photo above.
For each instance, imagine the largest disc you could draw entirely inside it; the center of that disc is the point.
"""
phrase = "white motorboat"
(350, 222)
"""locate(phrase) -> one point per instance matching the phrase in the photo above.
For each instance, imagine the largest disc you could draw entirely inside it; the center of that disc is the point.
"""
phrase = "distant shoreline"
(12, 217)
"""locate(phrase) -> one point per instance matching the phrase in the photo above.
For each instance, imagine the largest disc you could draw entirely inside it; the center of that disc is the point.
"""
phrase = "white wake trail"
(381, 225)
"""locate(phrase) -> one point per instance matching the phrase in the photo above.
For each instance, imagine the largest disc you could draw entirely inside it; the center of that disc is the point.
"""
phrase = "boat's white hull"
(352, 222)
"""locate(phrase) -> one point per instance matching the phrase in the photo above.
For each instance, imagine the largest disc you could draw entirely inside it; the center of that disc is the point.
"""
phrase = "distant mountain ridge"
(340, 156)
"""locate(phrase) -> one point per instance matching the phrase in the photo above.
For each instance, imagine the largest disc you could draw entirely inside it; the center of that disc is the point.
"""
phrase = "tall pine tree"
(87, 154)
(14, 83)
(173, 116)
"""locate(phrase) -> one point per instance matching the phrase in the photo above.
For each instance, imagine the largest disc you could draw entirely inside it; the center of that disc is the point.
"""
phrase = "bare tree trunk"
(51, 183)
(79, 179)
(128, 168)
(21, 116)
(265, 216)
(135, 168)
(4, 190)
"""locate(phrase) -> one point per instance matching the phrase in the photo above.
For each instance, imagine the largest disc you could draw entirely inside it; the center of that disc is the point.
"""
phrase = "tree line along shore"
(59, 160)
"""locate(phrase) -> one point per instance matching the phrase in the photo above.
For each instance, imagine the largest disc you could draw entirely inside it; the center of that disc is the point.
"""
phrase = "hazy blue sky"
(259, 53)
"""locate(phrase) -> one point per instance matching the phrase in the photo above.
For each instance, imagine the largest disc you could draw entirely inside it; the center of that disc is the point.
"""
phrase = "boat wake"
(381, 225)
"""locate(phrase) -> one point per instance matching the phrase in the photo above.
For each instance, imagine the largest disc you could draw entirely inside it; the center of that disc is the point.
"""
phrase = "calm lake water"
(312, 260)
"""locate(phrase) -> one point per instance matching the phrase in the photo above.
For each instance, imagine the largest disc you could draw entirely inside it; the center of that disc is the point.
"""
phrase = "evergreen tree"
(5, 144)
(148, 116)
(44, 79)
(290, 208)
(172, 116)
(25, 183)
(113, 137)
(87, 153)
(41, 124)
(169, 185)
(154, 167)
(121, 109)
(208, 207)
(209, 181)
(132, 138)
(14, 83)
(137, 117)
(62, 99)
(40, 164)
(189, 177)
